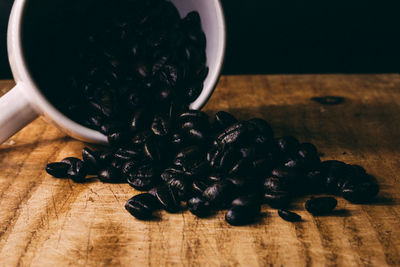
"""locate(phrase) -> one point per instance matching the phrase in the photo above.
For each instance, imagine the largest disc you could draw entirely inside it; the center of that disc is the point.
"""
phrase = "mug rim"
(44, 107)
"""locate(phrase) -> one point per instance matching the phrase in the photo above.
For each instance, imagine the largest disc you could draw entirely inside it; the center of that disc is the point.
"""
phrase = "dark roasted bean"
(320, 205)
(240, 215)
(77, 169)
(222, 120)
(287, 144)
(199, 185)
(152, 150)
(362, 191)
(160, 125)
(218, 194)
(110, 175)
(58, 169)
(91, 160)
(232, 134)
(143, 177)
(289, 216)
(181, 186)
(199, 207)
(142, 206)
(277, 200)
(167, 197)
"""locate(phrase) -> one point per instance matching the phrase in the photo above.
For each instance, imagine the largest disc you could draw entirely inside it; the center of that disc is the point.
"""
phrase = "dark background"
(298, 36)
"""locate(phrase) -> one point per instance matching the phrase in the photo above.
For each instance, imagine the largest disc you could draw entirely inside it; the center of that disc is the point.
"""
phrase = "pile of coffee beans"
(141, 66)
(139, 63)
(224, 164)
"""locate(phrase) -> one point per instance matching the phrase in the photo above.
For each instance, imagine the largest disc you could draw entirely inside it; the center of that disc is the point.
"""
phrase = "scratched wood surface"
(54, 222)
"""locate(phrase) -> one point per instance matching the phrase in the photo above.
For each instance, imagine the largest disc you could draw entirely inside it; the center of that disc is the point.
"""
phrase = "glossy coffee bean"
(287, 144)
(91, 159)
(240, 215)
(160, 125)
(277, 200)
(232, 134)
(167, 197)
(361, 192)
(222, 120)
(218, 194)
(110, 175)
(143, 178)
(142, 206)
(199, 207)
(289, 216)
(58, 169)
(320, 205)
(182, 186)
(77, 169)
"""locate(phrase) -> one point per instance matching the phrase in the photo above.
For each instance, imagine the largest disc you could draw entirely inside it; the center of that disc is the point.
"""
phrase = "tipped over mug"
(33, 27)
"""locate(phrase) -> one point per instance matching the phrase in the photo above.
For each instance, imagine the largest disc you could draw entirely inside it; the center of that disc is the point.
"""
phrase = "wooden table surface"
(54, 222)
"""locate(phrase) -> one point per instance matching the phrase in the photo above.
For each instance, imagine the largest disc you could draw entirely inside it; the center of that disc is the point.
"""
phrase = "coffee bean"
(91, 160)
(167, 197)
(58, 169)
(289, 216)
(160, 125)
(222, 120)
(142, 206)
(320, 205)
(77, 169)
(218, 194)
(287, 144)
(110, 175)
(143, 177)
(240, 215)
(199, 207)
(181, 186)
(232, 134)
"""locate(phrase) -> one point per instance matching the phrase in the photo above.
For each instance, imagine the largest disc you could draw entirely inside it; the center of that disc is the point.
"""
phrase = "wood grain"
(54, 222)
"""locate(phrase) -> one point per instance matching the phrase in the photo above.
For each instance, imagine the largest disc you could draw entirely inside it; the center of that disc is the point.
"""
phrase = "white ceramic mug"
(25, 101)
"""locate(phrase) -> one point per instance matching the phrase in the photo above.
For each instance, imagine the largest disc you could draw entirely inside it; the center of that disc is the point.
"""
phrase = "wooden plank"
(54, 222)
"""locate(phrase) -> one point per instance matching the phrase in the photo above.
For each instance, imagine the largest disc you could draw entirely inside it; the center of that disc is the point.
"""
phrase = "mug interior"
(49, 38)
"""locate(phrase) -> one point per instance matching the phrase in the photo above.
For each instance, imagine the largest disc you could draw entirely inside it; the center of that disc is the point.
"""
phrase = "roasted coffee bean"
(250, 202)
(289, 216)
(58, 169)
(122, 154)
(199, 207)
(105, 157)
(182, 186)
(232, 134)
(140, 120)
(218, 194)
(173, 172)
(77, 169)
(167, 197)
(110, 175)
(287, 144)
(277, 200)
(91, 160)
(178, 141)
(118, 139)
(222, 120)
(199, 185)
(160, 125)
(307, 150)
(362, 191)
(189, 153)
(141, 138)
(333, 172)
(263, 129)
(152, 149)
(143, 177)
(142, 206)
(320, 205)
(240, 215)
(128, 168)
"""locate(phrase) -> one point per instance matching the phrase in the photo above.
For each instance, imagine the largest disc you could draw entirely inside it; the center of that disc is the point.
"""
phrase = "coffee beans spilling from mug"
(223, 164)
(139, 64)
